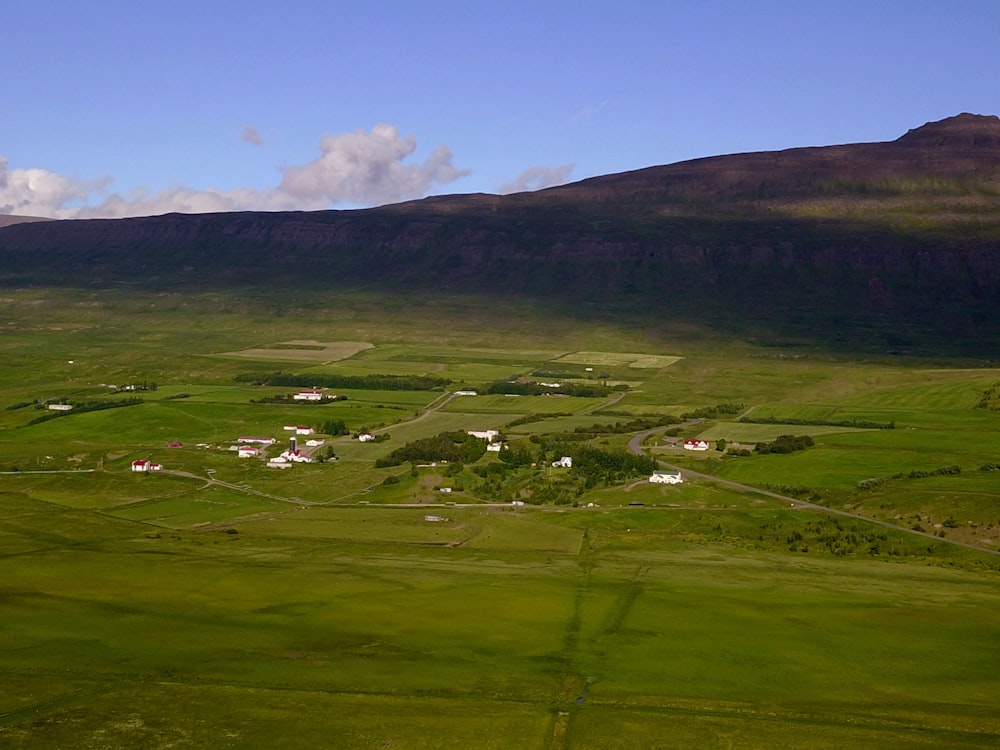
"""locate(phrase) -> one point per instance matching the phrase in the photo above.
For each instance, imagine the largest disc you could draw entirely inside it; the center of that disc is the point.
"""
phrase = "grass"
(312, 608)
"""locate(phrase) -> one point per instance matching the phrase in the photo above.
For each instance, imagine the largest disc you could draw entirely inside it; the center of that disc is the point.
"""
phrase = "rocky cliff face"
(902, 238)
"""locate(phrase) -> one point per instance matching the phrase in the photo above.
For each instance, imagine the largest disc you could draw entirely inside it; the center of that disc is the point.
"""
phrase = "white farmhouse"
(666, 477)
(308, 396)
(566, 462)
(488, 435)
(696, 445)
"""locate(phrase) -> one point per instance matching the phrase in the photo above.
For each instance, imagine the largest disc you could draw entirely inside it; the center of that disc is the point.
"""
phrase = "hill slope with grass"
(881, 245)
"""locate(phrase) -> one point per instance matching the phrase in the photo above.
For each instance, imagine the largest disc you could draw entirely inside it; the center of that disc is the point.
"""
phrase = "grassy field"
(221, 603)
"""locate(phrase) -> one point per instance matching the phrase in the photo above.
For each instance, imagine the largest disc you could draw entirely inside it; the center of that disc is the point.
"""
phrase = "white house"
(366, 437)
(696, 445)
(566, 462)
(494, 447)
(308, 396)
(144, 466)
(666, 477)
(314, 443)
(300, 430)
(246, 451)
(257, 440)
(488, 435)
(278, 462)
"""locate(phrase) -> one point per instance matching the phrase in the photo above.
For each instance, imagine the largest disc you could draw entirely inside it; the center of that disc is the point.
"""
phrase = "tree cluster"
(609, 467)
(990, 398)
(786, 444)
(454, 446)
(334, 427)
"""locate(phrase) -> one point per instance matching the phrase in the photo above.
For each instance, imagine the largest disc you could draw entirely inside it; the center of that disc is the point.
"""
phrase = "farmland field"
(499, 602)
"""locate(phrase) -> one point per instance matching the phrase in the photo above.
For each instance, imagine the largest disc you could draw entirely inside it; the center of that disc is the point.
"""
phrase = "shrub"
(870, 484)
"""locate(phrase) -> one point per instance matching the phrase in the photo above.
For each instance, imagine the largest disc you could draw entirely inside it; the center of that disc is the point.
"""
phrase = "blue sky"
(124, 108)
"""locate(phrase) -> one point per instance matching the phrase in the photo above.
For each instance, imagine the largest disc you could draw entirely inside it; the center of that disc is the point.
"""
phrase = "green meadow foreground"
(222, 603)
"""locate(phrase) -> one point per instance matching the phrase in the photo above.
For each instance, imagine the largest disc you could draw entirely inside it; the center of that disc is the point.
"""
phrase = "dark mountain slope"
(887, 244)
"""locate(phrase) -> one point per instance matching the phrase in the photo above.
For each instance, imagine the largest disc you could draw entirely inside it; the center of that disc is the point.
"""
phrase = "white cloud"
(38, 192)
(588, 112)
(536, 178)
(364, 168)
(367, 168)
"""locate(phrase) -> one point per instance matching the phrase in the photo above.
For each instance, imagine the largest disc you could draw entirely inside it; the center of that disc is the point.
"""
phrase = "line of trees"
(714, 412)
(865, 424)
(289, 399)
(85, 406)
(518, 388)
(361, 382)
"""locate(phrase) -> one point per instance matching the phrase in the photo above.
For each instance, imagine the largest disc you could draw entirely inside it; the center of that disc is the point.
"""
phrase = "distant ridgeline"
(360, 382)
(890, 246)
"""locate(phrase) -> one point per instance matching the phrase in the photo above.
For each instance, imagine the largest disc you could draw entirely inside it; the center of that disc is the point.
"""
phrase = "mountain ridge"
(897, 242)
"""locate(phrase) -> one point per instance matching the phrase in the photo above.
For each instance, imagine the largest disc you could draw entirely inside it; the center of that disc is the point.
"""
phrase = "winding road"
(636, 446)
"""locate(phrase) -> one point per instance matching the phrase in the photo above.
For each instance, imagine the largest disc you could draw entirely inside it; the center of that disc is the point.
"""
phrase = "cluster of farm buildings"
(253, 447)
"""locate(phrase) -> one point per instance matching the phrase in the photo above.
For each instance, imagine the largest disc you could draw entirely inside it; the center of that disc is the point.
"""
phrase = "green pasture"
(565, 618)
(310, 607)
(303, 350)
(513, 404)
(200, 507)
(567, 424)
(688, 495)
(744, 432)
(405, 399)
(619, 359)
(95, 490)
